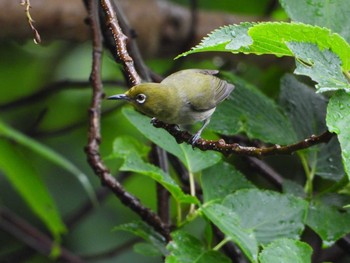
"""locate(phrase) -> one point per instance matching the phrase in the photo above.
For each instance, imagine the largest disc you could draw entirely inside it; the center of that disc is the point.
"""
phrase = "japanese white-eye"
(185, 97)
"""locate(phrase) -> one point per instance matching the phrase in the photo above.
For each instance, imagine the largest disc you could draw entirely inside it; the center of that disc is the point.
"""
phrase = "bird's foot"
(193, 140)
(153, 120)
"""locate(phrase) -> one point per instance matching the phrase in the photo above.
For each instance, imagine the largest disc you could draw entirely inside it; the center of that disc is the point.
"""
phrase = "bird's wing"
(193, 80)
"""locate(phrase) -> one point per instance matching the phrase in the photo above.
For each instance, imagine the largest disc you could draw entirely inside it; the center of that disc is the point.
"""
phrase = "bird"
(183, 98)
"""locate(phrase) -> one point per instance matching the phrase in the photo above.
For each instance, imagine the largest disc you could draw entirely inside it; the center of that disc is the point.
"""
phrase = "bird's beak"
(118, 97)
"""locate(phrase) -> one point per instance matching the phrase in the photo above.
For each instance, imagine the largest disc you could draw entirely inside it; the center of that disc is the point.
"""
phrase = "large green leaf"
(29, 185)
(268, 214)
(248, 110)
(338, 119)
(221, 180)
(322, 66)
(307, 112)
(328, 222)
(50, 155)
(194, 160)
(305, 108)
(132, 151)
(185, 248)
(286, 251)
(272, 38)
(230, 224)
(331, 14)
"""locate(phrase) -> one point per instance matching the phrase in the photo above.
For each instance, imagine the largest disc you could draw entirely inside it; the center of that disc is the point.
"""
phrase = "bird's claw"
(154, 120)
(193, 140)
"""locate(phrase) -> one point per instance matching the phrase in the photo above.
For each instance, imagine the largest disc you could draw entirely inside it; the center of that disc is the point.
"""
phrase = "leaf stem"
(222, 243)
(310, 174)
(192, 191)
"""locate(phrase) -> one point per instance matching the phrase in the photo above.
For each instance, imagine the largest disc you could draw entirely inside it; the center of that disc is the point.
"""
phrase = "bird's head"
(153, 99)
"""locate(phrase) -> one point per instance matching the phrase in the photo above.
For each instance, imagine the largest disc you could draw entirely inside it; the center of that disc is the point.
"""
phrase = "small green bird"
(185, 97)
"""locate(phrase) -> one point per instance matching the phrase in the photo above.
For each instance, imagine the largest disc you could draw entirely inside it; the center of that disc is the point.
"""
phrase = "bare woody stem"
(121, 42)
(226, 149)
(94, 135)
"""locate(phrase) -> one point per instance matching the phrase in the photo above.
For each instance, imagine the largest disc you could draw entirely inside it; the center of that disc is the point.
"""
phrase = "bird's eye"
(140, 98)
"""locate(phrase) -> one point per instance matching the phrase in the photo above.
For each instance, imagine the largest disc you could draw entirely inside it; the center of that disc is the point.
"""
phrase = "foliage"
(265, 224)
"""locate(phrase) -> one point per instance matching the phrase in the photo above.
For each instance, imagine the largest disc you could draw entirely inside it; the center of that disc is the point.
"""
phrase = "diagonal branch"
(94, 136)
(121, 42)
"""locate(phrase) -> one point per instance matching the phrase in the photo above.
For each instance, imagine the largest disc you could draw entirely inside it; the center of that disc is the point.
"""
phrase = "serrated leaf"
(194, 160)
(141, 229)
(29, 185)
(221, 180)
(328, 222)
(271, 38)
(331, 14)
(268, 214)
(185, 248)
(128, 149)
(322, 66)
(338, 119)
(248, 110)
(286, 251)
(229, 223)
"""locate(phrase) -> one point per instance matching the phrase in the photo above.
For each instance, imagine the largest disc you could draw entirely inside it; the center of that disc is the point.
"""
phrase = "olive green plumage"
(185, 97)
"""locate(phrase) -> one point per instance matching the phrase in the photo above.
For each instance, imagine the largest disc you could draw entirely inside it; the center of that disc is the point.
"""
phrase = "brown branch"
(50, 89)
(159, 158)
(226, 149)
(94, 136)
(121, 42)
(31, 236)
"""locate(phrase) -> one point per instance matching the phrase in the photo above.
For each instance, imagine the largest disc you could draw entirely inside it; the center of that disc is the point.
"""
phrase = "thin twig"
(225, 148)
(94, 136)
(31, 236)
(159, 158)
(121, 42)
(50, 89)
(37, 38)
(267, 171)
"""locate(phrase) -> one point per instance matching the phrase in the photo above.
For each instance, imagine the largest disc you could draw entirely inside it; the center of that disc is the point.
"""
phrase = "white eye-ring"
(141, 98)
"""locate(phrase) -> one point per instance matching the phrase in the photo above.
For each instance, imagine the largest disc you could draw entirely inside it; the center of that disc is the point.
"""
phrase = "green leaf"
(307, 112)
(305, 108)
(29, 185)
(229, 223)
(268, 214)
(248, 110)
(185, 248)
(221, 180)
(141, 229)
(338, 119)
(286, 251)
(324, 66)
(146, 249)
(272, 38)
(50, 155)
(131, 151)
(329, 161)
(194, 160)
(328, 222)
(331, 14)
